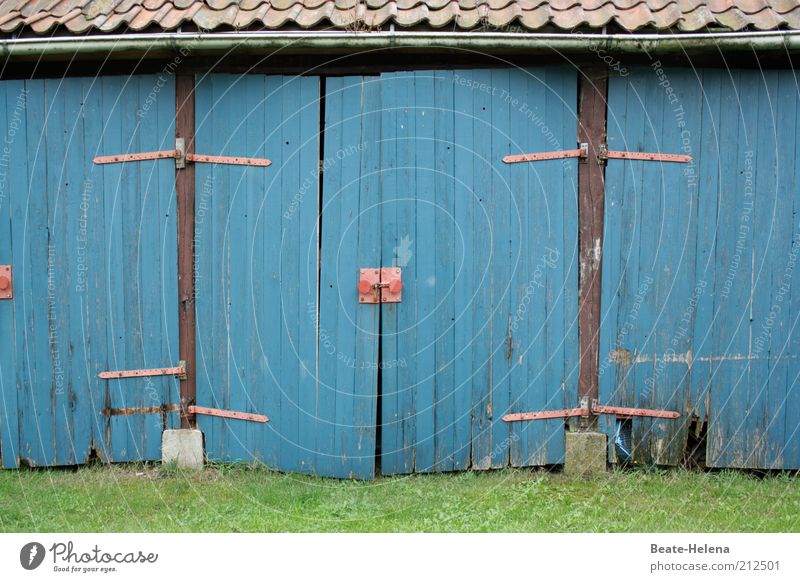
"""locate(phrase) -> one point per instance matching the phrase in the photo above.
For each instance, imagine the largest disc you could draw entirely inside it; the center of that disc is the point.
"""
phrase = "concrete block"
(184, 447)
(586, 454)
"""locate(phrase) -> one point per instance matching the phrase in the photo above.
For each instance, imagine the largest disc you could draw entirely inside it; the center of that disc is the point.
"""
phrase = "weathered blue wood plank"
(611, 328)
(716, 250)
(290, 286)
(425, 287)
(502, 340)
(37, 439)
(256, 247)
(78, 415)
(781, 91)
(464, 199)
(392, 232)
(709, 170)
(446, 263)
(400, 248)
(570, 258)
(469, 250)
(482, 282)
(735, 243)
(327, 321)
(255, 187)
(346, 263)
(12, 99)
(164, 182)
(523, 234)
(90, 287)
(623, 291)
(367, 320)
(530, 312)
(560, 266)
(307, 151)
(351, 190)
(78, 274)
(270, 307)
(791, 450)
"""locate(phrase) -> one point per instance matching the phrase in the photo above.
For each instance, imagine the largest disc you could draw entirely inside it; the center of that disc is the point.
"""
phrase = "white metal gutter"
(473, 41)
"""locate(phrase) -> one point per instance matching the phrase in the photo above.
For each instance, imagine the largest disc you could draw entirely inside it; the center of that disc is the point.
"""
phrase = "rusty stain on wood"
(185, 192)
(592, 131)
(141, 410)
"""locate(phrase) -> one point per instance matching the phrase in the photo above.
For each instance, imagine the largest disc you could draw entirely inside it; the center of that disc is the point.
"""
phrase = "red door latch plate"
(384, 285)
(6, 282)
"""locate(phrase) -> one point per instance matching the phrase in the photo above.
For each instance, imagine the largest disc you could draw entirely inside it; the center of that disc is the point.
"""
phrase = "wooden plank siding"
(256, 261)
(350, 240)
(698, 312)
(488, 322)
(94, 256)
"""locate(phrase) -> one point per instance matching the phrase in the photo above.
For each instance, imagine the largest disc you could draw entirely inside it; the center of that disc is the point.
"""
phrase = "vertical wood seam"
(592, 118)
(185, 192)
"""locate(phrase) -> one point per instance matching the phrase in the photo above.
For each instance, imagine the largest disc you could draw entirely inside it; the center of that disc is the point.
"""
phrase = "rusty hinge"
(606, 154)
(586, 410)
(603, 154)
(227, 413)
(179, 371)
(6, 282)
(582, 151)
(182, 158)
(163, 409)
(383, 285)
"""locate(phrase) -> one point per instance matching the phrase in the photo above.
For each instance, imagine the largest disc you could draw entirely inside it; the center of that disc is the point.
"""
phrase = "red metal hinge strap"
(565, 413)
(585, 410)
(629, 412)
(603, 154)
(181, 157)
(121, 158)
(581, 152)
(179, 371)
(606, 154)
(227, 413)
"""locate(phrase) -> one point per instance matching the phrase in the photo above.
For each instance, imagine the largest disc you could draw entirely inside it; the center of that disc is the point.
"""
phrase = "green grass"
(246, 499)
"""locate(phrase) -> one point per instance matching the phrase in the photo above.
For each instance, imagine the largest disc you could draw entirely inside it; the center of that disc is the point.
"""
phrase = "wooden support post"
(185, 189)
(591, 197)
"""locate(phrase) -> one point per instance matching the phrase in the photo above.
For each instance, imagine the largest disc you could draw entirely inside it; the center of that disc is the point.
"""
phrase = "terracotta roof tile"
(79, 16)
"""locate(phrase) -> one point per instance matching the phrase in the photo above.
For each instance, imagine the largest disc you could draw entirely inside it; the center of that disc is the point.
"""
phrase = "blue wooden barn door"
(699, 307)
(350, 240)
(94, 261)
(257, 280)
(488, 251)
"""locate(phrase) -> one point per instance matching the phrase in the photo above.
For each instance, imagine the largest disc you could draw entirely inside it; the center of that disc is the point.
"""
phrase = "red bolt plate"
(391, 285)
(369, 281)
(6, 282)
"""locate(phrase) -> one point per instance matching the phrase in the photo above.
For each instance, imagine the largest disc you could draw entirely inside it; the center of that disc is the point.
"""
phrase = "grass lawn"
(244, 499)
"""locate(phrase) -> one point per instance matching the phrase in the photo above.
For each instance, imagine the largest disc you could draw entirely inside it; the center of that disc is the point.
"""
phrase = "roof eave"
(196, 43)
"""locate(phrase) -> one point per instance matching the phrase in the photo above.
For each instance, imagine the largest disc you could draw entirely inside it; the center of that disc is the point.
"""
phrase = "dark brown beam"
(591, 198)
(185, 186)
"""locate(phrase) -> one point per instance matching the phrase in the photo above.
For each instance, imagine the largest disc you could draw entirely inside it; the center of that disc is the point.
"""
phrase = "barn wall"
(700, 288)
